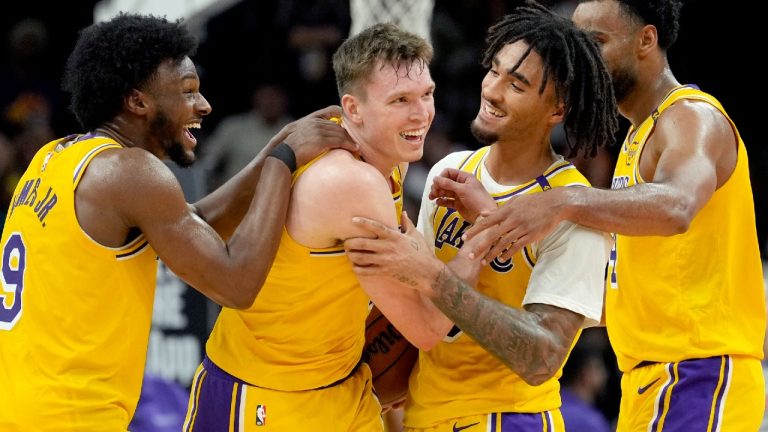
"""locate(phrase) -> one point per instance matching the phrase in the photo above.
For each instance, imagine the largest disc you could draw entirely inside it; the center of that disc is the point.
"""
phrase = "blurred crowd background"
(264, 63)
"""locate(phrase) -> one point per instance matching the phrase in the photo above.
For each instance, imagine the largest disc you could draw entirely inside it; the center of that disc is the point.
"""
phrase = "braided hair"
(573, 62)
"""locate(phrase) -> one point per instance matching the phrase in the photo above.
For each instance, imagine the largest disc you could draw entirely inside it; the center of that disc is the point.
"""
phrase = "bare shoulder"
(130, 179)
(341, 170)
(695, 119)
(330, 192)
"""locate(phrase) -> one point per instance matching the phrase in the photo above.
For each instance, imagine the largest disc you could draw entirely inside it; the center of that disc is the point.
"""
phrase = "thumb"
(407, 224)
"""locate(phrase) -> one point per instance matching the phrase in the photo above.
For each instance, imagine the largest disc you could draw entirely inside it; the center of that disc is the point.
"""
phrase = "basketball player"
(685, 305)
(497, 369)
(291, 360)
(94, 211)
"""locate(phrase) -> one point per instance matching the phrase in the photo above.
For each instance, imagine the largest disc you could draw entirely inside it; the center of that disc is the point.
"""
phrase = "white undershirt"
(570, 261)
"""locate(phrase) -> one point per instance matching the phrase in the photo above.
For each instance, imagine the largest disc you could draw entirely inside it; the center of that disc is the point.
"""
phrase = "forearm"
(224, 208)
(253, 245)
(513, 335)
(645, 209)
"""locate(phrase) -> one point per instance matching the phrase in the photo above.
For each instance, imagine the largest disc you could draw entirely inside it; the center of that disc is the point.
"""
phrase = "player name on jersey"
(29, 195)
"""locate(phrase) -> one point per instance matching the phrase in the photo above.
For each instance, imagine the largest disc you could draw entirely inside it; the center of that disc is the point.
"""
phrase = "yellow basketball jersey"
(306, 328)
(458, 377)
(692, 295)
(74, 315)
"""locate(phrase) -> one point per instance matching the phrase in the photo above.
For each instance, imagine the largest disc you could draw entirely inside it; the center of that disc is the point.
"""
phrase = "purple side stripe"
(720, 401)
(523, 422)
(195, 395)
(662, 397)
(691, 400)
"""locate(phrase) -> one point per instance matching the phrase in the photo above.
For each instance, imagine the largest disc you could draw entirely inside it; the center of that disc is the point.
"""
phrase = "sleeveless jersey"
(74, 315)
(458, 377)
(306, 328)
(693, 295)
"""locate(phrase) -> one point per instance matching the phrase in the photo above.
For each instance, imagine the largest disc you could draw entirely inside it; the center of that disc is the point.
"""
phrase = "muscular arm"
(691, 153)
(146, 195)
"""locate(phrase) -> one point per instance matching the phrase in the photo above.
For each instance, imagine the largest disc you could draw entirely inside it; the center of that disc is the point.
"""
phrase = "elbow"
(550, 362)
(238, 296)
(680, 218)
(243, 301)
(536, 379)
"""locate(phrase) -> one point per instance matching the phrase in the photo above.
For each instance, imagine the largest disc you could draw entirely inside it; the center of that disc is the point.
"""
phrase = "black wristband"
(285, 153)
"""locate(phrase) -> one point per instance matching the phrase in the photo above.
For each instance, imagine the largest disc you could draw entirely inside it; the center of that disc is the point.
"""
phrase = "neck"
(514, 163)
(371, 156)
(117, 129)
(648, 94)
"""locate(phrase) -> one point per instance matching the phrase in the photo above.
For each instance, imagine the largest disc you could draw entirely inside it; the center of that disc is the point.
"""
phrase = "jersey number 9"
(12, 278)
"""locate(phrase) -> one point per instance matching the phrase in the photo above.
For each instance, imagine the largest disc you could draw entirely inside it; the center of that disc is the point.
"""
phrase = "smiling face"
(511, 106)
(391, 113)
(615, 33)
(179, 107)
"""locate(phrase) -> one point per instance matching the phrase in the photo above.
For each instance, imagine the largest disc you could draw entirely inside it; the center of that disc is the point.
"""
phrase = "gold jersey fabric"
(458, 377)
(693, 295)
(74, 315)
(305, 330)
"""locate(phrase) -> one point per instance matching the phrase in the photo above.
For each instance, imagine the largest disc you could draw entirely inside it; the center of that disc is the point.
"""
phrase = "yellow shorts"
(220, 402)
(547, 421)
(725, 393)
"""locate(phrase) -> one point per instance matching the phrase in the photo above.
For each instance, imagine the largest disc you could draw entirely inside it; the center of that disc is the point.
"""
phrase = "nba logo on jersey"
(261, 415)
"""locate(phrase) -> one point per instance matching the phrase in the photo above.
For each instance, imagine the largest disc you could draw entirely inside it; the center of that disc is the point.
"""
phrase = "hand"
(405, 257)
(462, 191)
(315, 133)
(466, 265)
(522, 220)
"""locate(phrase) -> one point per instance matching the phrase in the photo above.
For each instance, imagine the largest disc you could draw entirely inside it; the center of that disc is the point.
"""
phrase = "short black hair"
(113, 57)
(662, 14)
(573, 62)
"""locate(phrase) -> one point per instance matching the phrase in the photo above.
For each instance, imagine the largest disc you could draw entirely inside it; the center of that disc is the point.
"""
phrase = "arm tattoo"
(515, 336)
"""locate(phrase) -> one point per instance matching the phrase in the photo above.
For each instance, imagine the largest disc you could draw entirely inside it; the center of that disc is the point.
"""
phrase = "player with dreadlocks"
(515, 319)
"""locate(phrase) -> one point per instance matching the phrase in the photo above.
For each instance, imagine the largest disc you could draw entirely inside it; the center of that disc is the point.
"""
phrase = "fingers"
(446, 202)
(481, 223)
(480, 244)
(451, 174)
(407, 223)
(382, 231)
(326, 113)
(507, 245)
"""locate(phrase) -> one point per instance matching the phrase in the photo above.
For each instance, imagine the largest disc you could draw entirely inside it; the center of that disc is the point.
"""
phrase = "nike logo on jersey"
(461, 428)
(643, 389)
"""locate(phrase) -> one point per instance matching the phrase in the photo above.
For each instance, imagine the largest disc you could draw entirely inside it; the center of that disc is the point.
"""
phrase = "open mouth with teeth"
(413, 135)
(188, 133)
(490, 110)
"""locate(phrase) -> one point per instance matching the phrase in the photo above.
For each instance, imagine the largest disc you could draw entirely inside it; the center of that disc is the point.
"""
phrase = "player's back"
(74, 315)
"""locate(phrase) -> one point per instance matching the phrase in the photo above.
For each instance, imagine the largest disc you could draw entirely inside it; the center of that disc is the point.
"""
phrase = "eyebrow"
(513, 72)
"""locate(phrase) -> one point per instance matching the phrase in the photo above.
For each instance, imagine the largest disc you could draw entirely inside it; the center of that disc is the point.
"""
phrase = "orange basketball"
(390, 357)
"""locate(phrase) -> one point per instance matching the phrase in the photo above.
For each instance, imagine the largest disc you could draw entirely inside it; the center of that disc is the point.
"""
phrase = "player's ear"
(351, 106)
(648, 40)
(558, 114)
(136, 102)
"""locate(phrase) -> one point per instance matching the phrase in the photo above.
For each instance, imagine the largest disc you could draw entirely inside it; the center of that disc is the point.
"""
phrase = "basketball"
(390, 357)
